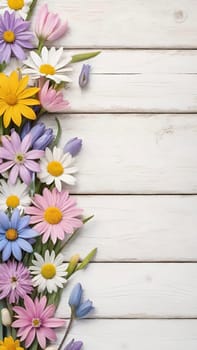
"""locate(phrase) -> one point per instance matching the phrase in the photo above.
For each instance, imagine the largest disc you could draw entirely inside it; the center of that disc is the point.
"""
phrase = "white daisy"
(49, 272)
(20, 7)
(57, 167)
(51, 64)
(14, 196)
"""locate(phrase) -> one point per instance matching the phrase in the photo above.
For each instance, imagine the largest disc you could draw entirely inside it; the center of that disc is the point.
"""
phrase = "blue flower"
(79, 309)
(83, 309)
(74, 345)
(15, 235)
(75, 296)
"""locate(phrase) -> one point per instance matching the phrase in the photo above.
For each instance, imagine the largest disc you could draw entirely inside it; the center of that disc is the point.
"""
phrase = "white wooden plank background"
(134, 153)
(138, 228)
(129, 23)
(138, 121)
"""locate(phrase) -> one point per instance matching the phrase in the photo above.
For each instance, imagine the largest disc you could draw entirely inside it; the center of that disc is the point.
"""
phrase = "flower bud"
(75, 296)
(73, 146)
(84, 75)
(74, 345)
(83, 309)
(6, 317)
(73, 264)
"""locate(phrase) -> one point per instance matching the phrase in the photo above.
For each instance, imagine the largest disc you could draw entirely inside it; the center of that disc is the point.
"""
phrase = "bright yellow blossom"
(15, 99)
(9, 343)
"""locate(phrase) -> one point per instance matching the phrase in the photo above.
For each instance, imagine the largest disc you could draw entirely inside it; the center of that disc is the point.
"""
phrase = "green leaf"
(59, 133)
(84, 56)
(88, 219)
(87, 259)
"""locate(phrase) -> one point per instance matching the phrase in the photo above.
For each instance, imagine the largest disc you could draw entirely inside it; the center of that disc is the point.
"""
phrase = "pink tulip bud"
(48, 25)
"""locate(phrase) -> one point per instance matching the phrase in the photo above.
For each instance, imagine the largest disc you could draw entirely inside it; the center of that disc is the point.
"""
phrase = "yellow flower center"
(11, 99)
(12, 201)
(55, 168)
(48, 271)
(16, 4)
(9, 36)
(19, 158)
(47, 69)
(11, 234)
(53, 215)
(36, 322)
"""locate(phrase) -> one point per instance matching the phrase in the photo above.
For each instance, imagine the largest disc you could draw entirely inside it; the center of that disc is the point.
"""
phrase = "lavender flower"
(74, 345)
(84, 75)
(18, 158)
(73, 146)
(14, 37)
(41, 136)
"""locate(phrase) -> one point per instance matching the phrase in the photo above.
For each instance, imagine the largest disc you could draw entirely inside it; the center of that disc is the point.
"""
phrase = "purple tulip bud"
(25, 130)
(37, 131)
(43, 141)
(83, 309)
(73, 146)
(84, 75)
(74, 345)
(75, 296)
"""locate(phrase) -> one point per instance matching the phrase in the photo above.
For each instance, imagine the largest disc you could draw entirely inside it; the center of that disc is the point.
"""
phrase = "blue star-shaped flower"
(15, 235)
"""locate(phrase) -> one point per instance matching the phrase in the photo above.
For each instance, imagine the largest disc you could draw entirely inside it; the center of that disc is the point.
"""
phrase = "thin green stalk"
(67, 331)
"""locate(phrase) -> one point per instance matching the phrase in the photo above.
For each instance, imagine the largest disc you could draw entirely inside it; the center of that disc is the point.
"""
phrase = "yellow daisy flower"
(9, 343)
(15, 99)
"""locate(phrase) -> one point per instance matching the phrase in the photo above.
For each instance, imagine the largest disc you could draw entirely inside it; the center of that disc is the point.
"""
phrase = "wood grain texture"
(136, 334)
(129, 23)
(140, 61)
(138, 228)
(138, 290)
(134, 153)
(137, 81)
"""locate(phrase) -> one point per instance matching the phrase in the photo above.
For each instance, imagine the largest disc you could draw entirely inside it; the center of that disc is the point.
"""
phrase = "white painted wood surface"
(138, 228)
(136, 334)
(129, 23)
(131, 146)
(134, 153)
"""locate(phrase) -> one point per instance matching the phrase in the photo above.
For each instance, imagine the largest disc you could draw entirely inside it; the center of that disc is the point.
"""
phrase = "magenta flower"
(55, 214)
(48, 25)
(52, 100)
(15, 281)
(15, 155)
(36, 320)
(14, 37)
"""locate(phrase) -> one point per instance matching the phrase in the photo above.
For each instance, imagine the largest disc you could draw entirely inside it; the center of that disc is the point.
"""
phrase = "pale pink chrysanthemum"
(15, 281)
(54, 214)
(35, 320)
(52, 100)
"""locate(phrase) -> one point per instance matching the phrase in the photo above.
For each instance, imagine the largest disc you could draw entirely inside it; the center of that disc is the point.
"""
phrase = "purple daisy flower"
(14, 37)
(15, 281)
(19, 158)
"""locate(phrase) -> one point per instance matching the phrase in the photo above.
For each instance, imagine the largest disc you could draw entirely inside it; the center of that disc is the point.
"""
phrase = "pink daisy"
(35, 321)
(55, 214)
(15, 281)
(17, 157)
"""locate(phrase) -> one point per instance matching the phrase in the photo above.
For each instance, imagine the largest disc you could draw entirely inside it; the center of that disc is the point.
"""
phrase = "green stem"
(66, 333)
